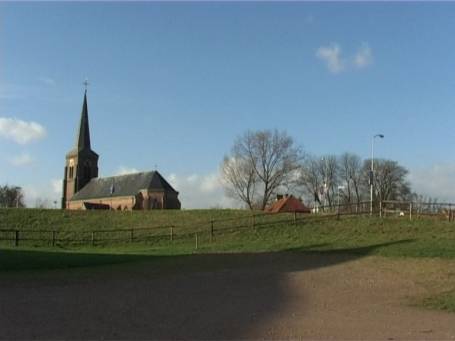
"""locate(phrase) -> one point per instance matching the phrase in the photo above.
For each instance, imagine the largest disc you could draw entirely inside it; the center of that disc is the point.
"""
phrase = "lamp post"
(324, 160)
(372, 170)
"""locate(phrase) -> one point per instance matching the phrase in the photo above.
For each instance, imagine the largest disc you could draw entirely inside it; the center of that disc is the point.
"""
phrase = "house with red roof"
(287, 203)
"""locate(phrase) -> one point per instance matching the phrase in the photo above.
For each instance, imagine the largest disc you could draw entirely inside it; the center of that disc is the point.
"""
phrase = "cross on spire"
(86, 84)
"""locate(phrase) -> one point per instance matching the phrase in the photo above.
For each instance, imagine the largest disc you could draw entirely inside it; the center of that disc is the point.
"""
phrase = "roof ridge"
(128, 174)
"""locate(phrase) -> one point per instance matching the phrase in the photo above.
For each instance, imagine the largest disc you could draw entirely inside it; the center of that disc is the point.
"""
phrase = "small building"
(287, 203)
(84, 190)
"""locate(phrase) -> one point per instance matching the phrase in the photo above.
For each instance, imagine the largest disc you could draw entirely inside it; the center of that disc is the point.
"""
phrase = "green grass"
(43, 219)
(233, 232)
(444, 301)
(110, 227)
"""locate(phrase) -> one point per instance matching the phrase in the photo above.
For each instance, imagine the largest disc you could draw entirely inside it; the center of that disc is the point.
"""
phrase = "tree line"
(264, 163)
(11, 196)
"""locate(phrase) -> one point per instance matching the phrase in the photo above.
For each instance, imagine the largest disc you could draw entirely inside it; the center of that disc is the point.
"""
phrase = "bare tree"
(239, 178)
(11, 196)
(389, 180)
(324, 175)
(328, 167)
(311, 178)
(350, 166)
(271, 160)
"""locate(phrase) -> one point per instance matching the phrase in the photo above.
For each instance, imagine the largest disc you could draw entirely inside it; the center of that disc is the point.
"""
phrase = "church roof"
(83, 136)
(82, 146)
(123, 185)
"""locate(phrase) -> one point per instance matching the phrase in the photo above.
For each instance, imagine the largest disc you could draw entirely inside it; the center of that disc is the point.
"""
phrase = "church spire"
(83, 137)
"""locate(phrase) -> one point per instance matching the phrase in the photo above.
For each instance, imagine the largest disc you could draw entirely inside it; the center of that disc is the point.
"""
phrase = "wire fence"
(417, 209)
(169, 232)
(196, 230)
(207, 230)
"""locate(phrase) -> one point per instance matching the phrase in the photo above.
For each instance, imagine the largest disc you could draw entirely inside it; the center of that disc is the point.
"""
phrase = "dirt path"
(279, 296)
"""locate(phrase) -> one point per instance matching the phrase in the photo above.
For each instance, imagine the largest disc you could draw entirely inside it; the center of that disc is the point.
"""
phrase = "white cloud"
(336, 63)
(47, 81)
(200, 191)
(19, 131)
(210, 183)
(122, 170)
(332, 56)
(31, 194)
(192, 178)
(57, 186)
(21, 160)
(47, 195)
(436, 181)
(363, 57)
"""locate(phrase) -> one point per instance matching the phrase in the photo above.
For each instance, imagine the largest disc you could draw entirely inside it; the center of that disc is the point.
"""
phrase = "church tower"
(81, 161)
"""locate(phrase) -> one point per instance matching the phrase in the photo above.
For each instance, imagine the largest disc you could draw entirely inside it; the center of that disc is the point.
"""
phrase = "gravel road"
(285, 295)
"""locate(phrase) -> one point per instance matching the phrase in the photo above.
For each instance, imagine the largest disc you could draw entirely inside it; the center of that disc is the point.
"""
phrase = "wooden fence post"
(196, 240)
(53, 238)
(410, 210)
(380, 209)
(252, 220)
(172, 233)
(450, 212)
(16, 238)
(93, 238)
(211, 230)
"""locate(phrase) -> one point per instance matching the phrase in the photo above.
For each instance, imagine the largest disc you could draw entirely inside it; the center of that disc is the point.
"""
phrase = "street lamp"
(372, 170)
(326, 180)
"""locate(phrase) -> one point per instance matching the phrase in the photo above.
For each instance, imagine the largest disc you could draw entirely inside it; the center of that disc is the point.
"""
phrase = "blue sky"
(173, 84)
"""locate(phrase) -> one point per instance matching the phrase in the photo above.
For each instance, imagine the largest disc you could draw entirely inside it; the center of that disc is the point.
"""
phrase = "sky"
(173, 84)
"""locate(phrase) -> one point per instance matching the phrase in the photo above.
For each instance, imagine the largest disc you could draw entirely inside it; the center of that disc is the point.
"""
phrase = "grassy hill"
(233, 231)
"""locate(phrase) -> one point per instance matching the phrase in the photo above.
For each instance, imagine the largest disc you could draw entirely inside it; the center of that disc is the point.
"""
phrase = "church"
(83, 189)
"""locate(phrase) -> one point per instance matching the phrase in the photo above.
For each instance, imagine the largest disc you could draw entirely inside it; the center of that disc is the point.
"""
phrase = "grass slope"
(233, 232)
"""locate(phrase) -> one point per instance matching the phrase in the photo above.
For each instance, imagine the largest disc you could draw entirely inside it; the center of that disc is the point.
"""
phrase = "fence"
(206, 230)
(200, 229)
(417, 209)
(361, 207)
(387, 208)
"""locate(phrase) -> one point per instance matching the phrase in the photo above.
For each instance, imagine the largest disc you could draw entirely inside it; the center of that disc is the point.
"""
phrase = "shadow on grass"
(16, 260)
(202, 296)
(361, 251)
(19, 260)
